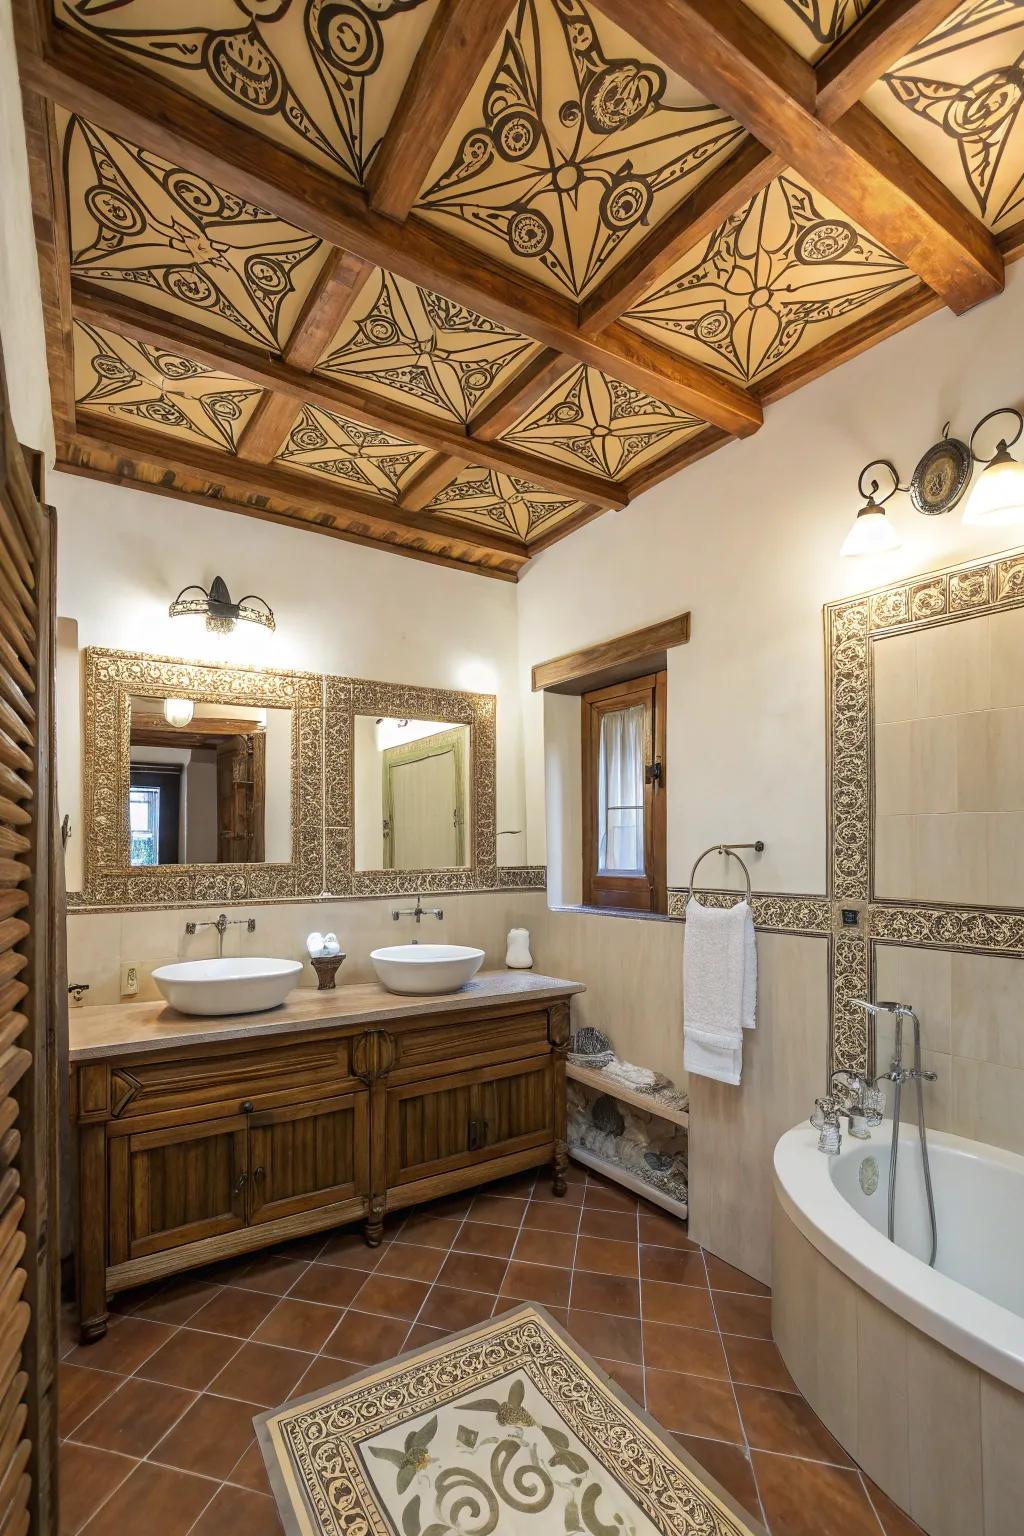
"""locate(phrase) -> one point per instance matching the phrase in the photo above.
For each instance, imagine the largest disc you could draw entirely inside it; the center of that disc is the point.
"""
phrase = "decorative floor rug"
(507, 1429)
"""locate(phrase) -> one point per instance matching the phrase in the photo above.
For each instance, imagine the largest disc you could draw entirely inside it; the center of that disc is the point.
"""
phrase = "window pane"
(620, 790)
(144, 823)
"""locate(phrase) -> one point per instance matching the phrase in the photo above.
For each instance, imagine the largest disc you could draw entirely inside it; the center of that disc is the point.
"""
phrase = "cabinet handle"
(247, 1107)
(240, 1183)
(477, 1137)
(258, 1173)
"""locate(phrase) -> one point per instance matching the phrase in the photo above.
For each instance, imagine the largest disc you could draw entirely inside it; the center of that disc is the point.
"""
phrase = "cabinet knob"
(247, 1107)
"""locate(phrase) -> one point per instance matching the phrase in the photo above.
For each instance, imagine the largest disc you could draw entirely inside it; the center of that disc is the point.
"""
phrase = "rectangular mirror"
(209, 783)
(412, 793)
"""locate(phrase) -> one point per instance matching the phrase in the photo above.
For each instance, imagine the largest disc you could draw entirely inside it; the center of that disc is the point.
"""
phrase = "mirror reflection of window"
(411, 794)
(213, 789)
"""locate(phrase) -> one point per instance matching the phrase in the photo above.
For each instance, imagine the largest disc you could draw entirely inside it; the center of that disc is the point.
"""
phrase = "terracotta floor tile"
(455, 1206)
(629, 1377)
(573, 1197)
(729, 1465)
(235, 1312)
(551, 1216)
(250, 1470)
(610, 1338)
(333, 1285)
(176, 1302)
(484, 1237)
(894, 1521)
(539, 1247)
(725, 1277)
(499, 1209)
(127, 1343)
(783, 1422)
(275, 1274)
(367, 1337)
(410, 1261)
(693, 1405)
(80, 1391)
(801, 1498)
(158, 1500)
(605, 1256)
(209, 1438)
(423, 1333)
(450, 1309)
(520, 1185)
(619, 1225)
(429, 1231)
(697, 1351)
(87, 1477)
(473, 1272)
(609, 1197)
(135, 1417)
(391, 1296)
(326, 1372)
(294, 1324)
(190, 1359)
(750, 1315)
(262, 1373)
(617, 1294)
(351, 1250)
(537, 1282)
(678, 1266)
(663, 1230)
(757, 1362)
(239, 1512)
(688, 1306)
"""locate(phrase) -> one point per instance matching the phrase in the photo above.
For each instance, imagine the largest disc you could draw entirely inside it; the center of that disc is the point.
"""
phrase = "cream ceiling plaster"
(508, 502)
(811, 26)
(350, 453)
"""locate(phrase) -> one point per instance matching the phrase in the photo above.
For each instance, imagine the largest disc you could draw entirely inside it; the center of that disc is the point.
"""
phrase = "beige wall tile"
(951, 858)
(1007, 651)
(922, 978)
(894, 870)
(915, 766)
(882, 1397)
(944, 1419)
(988, 1103)
(990, 760)
(1004, 835)
(1002, 1438)
(94, 954)
(987, 1016)
(894, 660)
(953, 668)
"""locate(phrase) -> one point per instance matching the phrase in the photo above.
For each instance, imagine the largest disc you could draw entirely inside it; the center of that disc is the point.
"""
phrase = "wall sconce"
(220, 612)
(178, 712)
(872, 533)
(997, 497)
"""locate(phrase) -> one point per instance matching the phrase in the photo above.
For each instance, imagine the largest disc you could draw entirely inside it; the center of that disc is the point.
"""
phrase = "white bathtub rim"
(981, 1331)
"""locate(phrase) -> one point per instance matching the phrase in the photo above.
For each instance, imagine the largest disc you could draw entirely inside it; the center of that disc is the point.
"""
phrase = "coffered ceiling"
(455, 276)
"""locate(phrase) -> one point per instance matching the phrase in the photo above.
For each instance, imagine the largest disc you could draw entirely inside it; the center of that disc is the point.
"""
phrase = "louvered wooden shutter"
(28, 1101)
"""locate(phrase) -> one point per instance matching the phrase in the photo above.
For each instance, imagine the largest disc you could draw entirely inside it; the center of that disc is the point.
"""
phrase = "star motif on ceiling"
(828, 20)
(601, 423)
(364, 457)
(415, 342)
(773, 272)
(303, 70)
(491, 495)
(573, 146)
(137, 220)
(967, 81)
(161, 389)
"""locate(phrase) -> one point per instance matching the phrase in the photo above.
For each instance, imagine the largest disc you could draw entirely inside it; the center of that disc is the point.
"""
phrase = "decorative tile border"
(986, 930)
(772, 913)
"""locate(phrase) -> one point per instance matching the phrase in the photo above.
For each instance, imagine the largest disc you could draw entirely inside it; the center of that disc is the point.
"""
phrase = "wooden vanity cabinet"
(195, 1151)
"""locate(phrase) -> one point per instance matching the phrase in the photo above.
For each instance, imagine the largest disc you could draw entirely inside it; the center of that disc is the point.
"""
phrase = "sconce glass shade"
(871, 534)
(997, 496)
(178, 712)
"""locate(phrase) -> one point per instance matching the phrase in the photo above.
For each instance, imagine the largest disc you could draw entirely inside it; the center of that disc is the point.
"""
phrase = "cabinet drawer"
(517, 1034)
(468, 1118)
(189, 1083)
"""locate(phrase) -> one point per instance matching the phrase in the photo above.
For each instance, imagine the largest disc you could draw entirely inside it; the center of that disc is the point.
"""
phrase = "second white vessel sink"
(415, 969)
(244, 984)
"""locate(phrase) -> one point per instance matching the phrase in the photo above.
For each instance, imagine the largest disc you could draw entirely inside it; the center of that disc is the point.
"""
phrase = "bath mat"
(505, 1429)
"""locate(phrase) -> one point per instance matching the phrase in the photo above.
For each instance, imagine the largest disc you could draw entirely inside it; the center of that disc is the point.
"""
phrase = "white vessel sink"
(420, 968)
(239, 985)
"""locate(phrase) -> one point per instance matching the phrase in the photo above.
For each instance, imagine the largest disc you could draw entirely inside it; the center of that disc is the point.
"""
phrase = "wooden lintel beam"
(458, 41)
(577, 666)
(431, 478)
(888, 30)
(120, 96)
(139, 322)
(738, 62)
(523, 391)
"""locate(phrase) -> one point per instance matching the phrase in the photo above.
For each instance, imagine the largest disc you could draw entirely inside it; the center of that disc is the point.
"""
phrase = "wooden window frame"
(634, 893)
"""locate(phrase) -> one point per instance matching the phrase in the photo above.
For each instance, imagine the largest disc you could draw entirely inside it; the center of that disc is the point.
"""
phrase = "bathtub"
(917, 1372)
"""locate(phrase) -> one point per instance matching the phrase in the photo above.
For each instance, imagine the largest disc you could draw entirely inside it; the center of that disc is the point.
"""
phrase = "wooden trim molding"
(582, 667)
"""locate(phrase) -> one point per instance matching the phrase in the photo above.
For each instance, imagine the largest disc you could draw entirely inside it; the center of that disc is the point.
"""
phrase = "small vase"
(517, 956)
(326, 967)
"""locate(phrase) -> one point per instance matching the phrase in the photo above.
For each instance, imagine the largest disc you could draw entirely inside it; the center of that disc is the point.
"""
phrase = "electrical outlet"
(129, 980)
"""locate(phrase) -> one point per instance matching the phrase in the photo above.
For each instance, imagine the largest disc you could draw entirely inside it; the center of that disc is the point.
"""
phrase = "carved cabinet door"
(175, 1186)
(305, 1156)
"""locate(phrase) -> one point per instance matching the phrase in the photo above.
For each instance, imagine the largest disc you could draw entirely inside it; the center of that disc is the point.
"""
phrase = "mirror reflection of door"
(411, 794)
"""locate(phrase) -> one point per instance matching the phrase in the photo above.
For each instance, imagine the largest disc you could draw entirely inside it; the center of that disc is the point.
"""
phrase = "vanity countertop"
(101, 1031)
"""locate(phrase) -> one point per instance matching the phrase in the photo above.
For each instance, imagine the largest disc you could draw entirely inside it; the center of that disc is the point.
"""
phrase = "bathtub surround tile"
(922, 977)
(944, 1415)
(882, 1396)
(985, 993)
(1002, 1426)
(988, 1103)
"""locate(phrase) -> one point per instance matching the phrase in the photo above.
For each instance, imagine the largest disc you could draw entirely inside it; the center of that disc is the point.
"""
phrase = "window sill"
(629, 912)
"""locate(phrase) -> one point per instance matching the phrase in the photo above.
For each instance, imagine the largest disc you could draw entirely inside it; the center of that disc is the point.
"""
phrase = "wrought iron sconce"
(872, 533)
(220, 612)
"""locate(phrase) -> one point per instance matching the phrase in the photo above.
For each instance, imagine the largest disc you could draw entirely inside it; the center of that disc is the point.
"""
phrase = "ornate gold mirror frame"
(859, 919)
(111, 678)
(348, 697)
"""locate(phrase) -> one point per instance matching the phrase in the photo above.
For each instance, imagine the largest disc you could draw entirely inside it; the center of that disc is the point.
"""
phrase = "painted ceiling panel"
(143, 386)
(321, 78)
(354, 455)
(600, 425)
(956, 101)
(167, 237)
(492, 498)
(811, 26)
(423, 350)
(570, 145)
(780, 275)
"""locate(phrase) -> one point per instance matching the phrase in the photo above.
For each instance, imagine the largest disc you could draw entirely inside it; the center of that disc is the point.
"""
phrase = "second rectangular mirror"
(412, 793)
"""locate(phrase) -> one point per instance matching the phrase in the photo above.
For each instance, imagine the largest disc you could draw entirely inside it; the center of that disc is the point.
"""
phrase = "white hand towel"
(719, 988)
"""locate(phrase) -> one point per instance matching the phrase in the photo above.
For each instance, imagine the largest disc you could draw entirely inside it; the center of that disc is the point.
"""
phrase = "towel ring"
(719, 848)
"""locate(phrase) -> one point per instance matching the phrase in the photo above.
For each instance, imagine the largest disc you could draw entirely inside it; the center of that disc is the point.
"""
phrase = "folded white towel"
(719, 988)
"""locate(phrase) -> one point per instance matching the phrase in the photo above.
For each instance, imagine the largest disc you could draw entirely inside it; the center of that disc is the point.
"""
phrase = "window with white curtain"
(623, 794)
(620, 789)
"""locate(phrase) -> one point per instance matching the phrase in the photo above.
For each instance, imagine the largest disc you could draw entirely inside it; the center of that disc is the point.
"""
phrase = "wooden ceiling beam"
(141, 323)
(123, 98)
(738, 62)
(529, 386)
(887, 32)
(456, 48)
(431, 478)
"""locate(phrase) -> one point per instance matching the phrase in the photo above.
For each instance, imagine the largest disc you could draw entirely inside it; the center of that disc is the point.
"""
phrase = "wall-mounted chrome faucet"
(222, 925)
(417, 911)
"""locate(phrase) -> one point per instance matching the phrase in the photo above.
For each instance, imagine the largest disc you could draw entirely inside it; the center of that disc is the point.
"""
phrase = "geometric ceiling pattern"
(496, 266)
